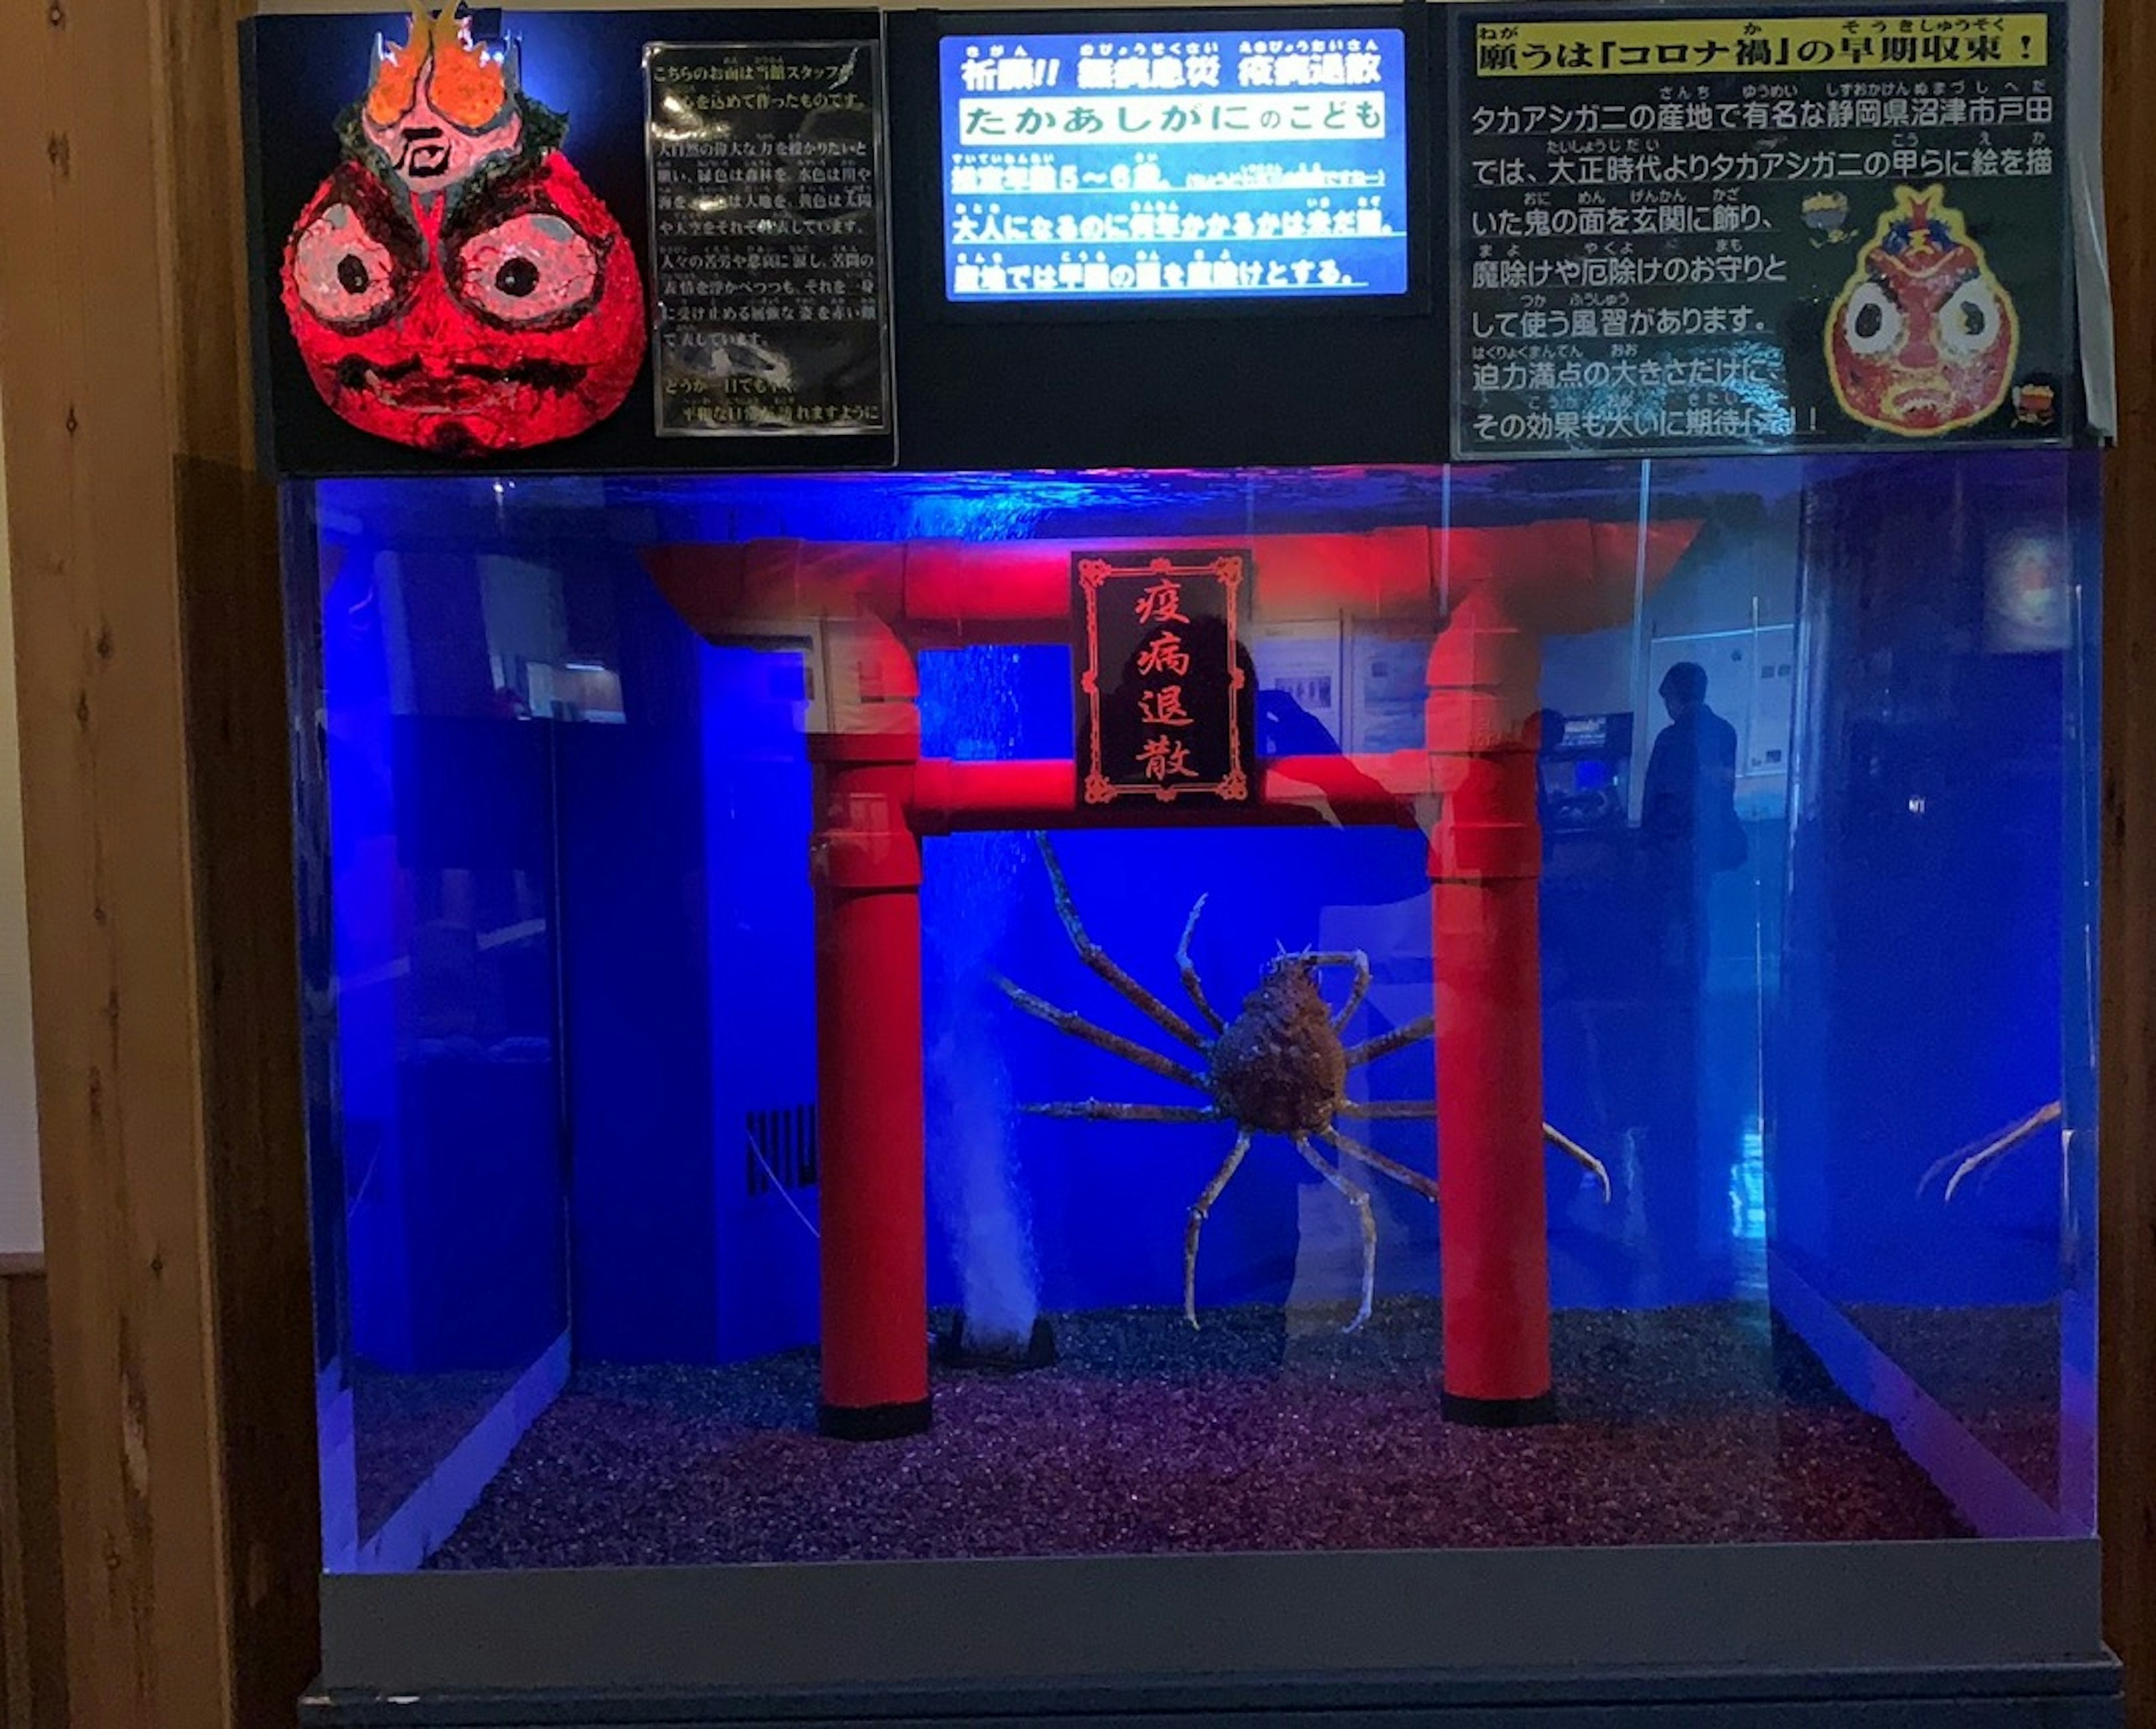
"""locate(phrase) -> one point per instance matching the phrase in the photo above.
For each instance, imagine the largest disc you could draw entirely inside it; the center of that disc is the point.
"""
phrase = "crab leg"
(1354, 1149)
(1098, 958)
(1114, 1043)
(1188, 968)
(1968, 1164)
(1361, 962)
(1359, 1197)
(1423, 1109)
(1385, 1044)
(1580, 1155)
(1094, 1111)
(1198, 1208)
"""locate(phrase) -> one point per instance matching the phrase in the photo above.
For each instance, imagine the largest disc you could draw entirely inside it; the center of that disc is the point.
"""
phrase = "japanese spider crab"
(1279, 1067)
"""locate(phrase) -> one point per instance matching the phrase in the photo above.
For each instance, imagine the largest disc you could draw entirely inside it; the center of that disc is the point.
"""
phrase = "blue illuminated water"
(970, 711)
(577, 1070)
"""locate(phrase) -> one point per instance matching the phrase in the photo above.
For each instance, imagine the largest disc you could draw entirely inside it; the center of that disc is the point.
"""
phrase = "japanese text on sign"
(1139, 167)
(1889, 43)
(766, 237)
(1691, 233)
(1188, 120)
(1162, 685)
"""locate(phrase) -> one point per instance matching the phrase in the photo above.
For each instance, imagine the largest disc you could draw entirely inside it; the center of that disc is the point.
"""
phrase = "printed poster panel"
(1708, 230)
(1166, 697)
(1302, 697)
(770, 302)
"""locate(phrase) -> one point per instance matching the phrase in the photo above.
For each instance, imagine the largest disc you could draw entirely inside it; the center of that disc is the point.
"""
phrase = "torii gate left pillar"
(866, 865)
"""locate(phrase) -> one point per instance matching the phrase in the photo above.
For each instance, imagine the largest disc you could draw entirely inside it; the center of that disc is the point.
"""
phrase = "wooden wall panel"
(155, 790)
(33, 1633)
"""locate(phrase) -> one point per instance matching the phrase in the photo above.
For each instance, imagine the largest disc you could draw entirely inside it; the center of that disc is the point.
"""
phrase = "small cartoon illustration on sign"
(454, 286)
(2036, 404)
(1826, 214)
(1922, 338)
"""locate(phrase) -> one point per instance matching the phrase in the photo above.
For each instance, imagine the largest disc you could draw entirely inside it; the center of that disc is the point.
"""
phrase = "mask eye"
(345, 276)
(1971, 323)
(1872, 324)
(534, 268)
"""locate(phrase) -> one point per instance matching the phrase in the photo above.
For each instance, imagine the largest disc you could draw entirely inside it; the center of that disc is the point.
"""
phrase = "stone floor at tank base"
(615, 1536)
(1701, 1425)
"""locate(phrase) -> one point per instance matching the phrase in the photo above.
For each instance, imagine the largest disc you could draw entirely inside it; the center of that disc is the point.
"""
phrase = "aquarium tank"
(1249, 850)
(908, 1018)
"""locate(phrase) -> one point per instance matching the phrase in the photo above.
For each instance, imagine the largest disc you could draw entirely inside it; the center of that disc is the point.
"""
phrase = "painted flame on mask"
(469, 89)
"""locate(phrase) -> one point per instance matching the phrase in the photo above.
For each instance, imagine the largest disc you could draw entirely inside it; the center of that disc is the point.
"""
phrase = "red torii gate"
(1486, 596)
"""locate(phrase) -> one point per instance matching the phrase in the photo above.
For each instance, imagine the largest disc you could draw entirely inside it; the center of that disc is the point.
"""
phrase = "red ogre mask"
(1923, 338)
(454, 285)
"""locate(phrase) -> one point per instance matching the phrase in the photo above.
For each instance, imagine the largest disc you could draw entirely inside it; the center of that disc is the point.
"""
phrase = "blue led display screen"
(1185, 165)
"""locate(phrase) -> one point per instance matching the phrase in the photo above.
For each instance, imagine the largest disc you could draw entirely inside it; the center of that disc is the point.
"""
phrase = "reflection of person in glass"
(1688, 832)
(1549, 734)
(1688, 826)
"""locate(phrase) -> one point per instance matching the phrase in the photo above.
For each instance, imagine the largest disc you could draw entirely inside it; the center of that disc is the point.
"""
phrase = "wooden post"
(155, 793)
(2126, 1206)
(33, 1631)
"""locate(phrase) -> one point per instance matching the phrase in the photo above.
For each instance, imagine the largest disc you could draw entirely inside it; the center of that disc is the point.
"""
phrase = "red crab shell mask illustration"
(1923, 337)
(454, 286)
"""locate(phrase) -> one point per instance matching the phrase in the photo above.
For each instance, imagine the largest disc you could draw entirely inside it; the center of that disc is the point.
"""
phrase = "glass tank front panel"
(920, 1017)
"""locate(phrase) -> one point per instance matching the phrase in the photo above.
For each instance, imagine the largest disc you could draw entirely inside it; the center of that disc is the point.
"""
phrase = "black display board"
(1216, 384)
(770, 312)
(1166, 692)
(302, 72)
(1715, 230)
(1220, 384)
(1729, 284)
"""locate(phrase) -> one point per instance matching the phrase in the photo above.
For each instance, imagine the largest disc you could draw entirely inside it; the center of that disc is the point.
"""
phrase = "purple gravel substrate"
(404, 1426)
(1685, 1425)
(1994, 1369)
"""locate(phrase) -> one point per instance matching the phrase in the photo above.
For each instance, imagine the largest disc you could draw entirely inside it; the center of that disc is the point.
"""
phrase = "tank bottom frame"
(2064, 1695)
